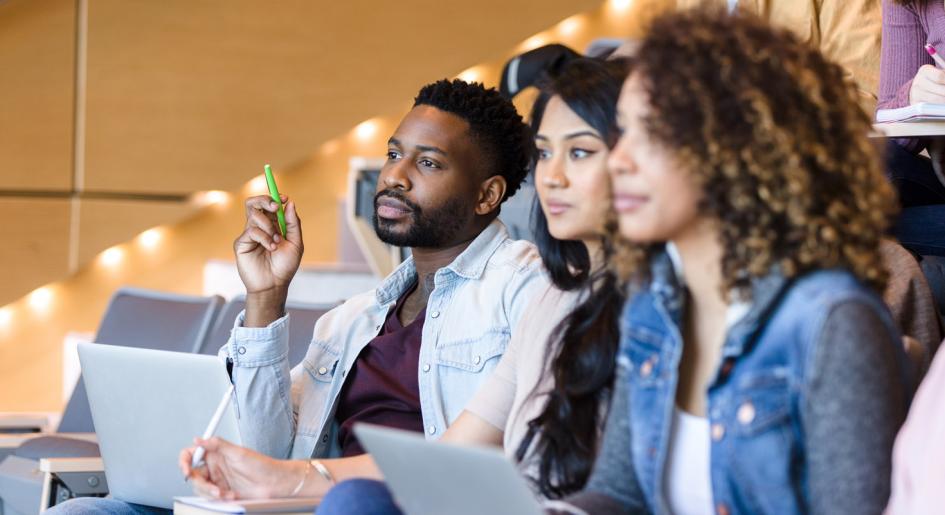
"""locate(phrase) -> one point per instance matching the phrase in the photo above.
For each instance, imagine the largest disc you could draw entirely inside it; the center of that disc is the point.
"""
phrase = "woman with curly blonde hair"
(759, 371)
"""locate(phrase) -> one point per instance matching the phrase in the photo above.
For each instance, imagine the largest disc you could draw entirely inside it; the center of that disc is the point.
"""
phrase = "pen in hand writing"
(197, 460)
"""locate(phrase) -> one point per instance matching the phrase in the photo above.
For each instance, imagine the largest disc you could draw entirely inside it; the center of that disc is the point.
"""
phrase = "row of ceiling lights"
(41, 299)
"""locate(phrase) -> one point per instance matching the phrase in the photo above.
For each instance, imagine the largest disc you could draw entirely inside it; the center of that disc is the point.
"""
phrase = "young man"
(409, 354)
(412, 352)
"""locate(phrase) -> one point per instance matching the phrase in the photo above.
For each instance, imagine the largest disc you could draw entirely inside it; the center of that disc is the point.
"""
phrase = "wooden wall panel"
(37, 59)
(104, 223)
(157, 124)
(35, 249)
(188, 95)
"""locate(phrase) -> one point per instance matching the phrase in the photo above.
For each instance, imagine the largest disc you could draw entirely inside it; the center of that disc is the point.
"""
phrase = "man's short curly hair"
(774, 134)
(493, 122)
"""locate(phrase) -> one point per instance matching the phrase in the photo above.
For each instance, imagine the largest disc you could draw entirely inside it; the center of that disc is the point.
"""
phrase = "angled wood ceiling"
(191, 95)
(172, 97)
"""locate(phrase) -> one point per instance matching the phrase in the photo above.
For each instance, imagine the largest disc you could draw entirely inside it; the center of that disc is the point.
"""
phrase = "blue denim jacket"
(476, 301)
(757, 453)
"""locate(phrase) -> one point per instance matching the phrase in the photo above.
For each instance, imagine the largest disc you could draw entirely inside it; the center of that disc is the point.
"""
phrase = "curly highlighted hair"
(494, 123)
(774, 135)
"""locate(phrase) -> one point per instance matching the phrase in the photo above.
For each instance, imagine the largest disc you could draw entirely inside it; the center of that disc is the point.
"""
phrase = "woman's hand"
(232, 472)
(928, 85)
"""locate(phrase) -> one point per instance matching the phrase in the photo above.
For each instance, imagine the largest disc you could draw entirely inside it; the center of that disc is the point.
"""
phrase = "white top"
(732, 4)
(688, 480)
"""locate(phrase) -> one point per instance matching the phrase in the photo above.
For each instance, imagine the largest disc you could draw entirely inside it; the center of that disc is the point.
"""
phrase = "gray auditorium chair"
(133, 318)
(517, 210)
(302, 318)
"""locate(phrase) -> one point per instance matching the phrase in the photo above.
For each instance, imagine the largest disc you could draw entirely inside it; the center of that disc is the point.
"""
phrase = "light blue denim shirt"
(476, 302)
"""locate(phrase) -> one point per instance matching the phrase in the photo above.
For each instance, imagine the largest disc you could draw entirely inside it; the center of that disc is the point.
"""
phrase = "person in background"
(908, 76)
(847, 32)
(759, 370)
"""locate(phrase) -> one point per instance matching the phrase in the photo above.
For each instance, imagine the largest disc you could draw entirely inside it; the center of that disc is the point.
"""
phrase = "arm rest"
(27, 422)
(12, 441)
(57, 465)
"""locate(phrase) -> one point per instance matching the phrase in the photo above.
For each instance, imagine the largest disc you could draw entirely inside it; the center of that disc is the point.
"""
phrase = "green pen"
(274, 193)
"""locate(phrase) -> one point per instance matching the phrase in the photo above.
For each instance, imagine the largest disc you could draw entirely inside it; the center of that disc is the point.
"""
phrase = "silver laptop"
(147, 405)
(430, 478)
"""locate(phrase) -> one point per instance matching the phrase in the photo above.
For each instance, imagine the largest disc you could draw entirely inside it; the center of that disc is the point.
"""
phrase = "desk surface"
(908, 129)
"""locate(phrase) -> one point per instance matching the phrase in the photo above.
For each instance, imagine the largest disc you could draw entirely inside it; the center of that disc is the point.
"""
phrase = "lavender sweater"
(906, 30)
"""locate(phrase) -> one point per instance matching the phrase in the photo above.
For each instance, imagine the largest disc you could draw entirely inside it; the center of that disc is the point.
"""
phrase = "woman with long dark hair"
(562, 368)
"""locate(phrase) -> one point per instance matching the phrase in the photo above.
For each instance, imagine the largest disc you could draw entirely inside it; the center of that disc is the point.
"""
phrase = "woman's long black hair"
(562, 440)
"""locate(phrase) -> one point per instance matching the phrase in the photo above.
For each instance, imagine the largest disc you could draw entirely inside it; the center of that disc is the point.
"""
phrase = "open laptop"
(430, 478)
(147, 405)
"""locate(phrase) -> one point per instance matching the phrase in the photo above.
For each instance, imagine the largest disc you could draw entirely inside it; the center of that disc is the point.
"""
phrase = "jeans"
(87, 505)
(361, 496)
(913, 177)
(920, 226)
(922, 230)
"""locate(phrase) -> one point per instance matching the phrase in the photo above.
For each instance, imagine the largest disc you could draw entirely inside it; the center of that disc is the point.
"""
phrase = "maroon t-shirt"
(383, 388)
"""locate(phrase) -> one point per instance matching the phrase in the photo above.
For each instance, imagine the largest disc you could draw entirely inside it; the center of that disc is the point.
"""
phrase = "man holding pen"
(412, 352)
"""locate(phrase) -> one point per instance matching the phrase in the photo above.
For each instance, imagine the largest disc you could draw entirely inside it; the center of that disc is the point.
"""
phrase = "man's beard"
(432, 229)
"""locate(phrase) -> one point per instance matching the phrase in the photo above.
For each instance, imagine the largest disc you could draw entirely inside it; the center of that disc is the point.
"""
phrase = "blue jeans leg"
(913, 177)
(88, 505)
(922, 230)
(361, 496)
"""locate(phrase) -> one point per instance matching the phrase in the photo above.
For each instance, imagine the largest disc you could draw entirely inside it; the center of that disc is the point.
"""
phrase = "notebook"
(921, 112)
(201, 506)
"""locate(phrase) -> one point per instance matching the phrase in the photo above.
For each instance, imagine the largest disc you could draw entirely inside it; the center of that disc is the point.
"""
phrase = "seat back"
(150, 320)
(302, 318)
(220, 333)
(302, 327)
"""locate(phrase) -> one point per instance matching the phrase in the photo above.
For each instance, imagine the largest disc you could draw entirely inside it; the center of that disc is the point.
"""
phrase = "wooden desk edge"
(53, 465)
(908, 129)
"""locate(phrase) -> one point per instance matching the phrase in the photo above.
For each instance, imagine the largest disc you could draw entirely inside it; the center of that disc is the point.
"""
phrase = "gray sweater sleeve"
(853, 404)
(612, 487)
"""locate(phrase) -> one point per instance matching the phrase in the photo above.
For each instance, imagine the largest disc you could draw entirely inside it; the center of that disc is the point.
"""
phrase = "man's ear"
(491, 193)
